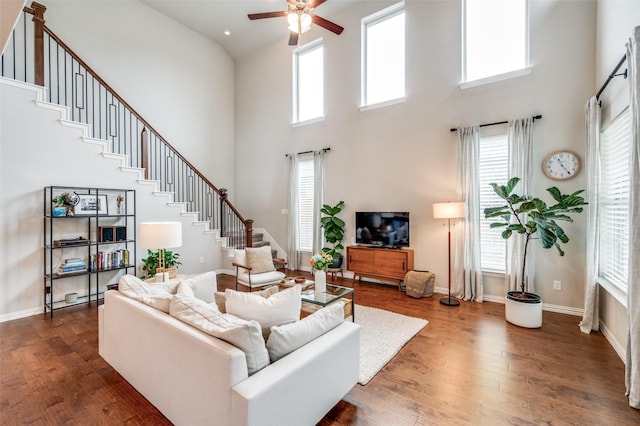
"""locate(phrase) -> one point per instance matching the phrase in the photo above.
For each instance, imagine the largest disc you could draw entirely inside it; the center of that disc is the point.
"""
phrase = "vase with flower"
(320, 262)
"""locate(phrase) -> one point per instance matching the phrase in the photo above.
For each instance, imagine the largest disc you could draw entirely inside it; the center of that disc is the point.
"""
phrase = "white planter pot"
(320, 277)
(526, 314)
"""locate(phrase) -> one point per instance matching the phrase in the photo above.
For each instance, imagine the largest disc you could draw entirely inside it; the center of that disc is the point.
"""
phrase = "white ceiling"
(212, 17)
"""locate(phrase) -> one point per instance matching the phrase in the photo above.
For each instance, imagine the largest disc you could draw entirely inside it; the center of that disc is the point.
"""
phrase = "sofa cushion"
(201, 286)
(221, 298)
(150, 294)
(259, 259)
(245, 335)
(285, 339)
(280, 308)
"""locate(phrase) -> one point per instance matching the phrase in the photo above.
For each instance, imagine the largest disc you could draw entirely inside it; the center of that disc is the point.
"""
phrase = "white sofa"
(196, 379)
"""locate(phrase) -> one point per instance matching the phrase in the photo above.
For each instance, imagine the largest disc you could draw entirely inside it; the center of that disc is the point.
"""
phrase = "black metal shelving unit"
(97, 210)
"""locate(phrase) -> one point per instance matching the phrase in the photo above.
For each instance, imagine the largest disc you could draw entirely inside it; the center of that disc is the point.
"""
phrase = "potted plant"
(534, 220)
(150, 264)
(333, 232)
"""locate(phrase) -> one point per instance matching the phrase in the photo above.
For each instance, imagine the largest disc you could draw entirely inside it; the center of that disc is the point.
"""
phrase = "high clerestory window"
(495, 39)
(308, 82)
(383, 56)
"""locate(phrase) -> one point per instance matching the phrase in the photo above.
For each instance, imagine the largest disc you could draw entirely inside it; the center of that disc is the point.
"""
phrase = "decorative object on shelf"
(71, 297)
(91, 204)
(561, 165)
(320, 262)
(448, 211)
(333, 228)
(160, 235)
(64, 204)
(522, 308)
(120, 204)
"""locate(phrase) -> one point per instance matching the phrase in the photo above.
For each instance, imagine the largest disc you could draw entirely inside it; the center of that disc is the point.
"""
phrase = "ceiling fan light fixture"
(305, 22)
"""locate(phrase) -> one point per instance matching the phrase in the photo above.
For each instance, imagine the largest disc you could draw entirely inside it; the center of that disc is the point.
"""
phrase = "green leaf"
(512, 184)
(497, 224)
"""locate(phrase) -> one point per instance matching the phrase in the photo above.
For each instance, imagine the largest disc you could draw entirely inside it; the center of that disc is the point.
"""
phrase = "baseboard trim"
(620, 350)
(21, 314)
(578, 312)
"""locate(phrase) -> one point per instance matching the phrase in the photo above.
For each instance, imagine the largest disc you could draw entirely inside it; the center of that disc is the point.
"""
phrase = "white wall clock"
(561, 165)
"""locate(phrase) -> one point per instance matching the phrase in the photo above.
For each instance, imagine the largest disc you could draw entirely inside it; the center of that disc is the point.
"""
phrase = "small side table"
(334, 273)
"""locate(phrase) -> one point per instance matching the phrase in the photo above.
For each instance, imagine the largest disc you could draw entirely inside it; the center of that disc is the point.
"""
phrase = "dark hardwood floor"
(466, 367)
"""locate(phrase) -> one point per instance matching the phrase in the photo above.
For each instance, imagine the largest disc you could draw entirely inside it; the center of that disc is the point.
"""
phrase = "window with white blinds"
(492, 168)
(613, 203)
(305, 204)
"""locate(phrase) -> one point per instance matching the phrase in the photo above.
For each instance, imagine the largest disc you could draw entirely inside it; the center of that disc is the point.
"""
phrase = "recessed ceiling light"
(227, 32)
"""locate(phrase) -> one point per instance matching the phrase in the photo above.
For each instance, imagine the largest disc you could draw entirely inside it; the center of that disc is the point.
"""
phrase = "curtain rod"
(535, 117)
(308, 152)
(612, 76)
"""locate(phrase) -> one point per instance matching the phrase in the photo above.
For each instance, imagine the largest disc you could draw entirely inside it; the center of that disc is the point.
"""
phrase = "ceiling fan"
(300, 17)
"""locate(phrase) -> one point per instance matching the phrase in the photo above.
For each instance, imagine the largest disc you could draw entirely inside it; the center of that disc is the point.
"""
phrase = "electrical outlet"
(201, 259)
(557, 285)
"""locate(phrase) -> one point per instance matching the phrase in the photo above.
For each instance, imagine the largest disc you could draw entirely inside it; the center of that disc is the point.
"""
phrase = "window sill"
(384, 104)
(307, 122)
(495, 78)
(619, 294)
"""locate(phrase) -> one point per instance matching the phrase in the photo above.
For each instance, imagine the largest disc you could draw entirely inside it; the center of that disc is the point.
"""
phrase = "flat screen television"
(382, 229)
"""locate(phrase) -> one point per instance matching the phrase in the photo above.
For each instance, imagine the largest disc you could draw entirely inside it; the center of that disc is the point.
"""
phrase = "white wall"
(404, 157)
(616, 19)
(37, 151)
(180, 81)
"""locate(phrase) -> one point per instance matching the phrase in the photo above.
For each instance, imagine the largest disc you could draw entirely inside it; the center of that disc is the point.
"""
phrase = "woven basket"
(173, 271)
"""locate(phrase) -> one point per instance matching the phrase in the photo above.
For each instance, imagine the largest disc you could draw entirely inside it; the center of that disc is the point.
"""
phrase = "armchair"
(256, 268)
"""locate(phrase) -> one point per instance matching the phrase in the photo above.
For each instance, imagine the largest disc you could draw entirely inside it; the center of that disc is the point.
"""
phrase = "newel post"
(38, 40)
(249, 224)
(144, 152)
(223, 201)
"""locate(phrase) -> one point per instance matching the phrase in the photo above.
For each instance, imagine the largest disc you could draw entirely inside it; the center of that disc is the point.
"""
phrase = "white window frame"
(526, 69)
(298, 53)
(492, 237)
(371, 20)
(610, 283)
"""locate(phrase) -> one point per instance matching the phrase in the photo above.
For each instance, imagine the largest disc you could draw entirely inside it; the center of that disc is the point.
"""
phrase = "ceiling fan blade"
(315, 3)
(293, 38)
(334, 28)
(264, 15)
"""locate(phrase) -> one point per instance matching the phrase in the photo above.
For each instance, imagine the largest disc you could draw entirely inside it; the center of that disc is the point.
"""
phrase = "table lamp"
(160, 236)
(448, 211)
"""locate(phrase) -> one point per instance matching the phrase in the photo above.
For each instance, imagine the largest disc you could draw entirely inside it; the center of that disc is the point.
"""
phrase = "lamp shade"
(448, 210)
(156, 235)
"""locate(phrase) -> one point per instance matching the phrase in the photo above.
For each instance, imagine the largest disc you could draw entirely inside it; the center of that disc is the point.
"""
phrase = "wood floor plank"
(466, 367)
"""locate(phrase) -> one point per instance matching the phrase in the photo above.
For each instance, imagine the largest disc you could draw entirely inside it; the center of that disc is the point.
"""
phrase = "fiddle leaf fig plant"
(333, 228)
(150, 264)
(533, 218)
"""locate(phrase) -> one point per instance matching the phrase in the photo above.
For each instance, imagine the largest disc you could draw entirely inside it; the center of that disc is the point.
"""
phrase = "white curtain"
(466, 280)
(590, 320)
(318, 198)
(633, 289)
(293, 255)
(520, 142)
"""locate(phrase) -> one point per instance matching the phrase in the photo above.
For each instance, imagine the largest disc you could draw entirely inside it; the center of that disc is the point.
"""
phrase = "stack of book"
(72, 265)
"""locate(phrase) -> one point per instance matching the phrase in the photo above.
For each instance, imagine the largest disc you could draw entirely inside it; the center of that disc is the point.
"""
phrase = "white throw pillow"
(149, 294)
(221, 298)
(280, 308)
(285, 339)
(260, 259)
(245, 335)
(201, 286)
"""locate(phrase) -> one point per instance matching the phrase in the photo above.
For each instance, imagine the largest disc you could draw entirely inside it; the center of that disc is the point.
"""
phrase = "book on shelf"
(109, 260)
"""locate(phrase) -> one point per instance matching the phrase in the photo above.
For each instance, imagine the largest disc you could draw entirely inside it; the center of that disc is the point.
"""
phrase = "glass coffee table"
(331, 295)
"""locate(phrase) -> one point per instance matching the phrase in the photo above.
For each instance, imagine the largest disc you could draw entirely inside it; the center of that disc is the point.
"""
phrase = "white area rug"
(382, 335)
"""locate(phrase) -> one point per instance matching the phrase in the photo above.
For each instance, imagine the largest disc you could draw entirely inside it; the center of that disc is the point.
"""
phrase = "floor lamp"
(448, 211)
(160, 236)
